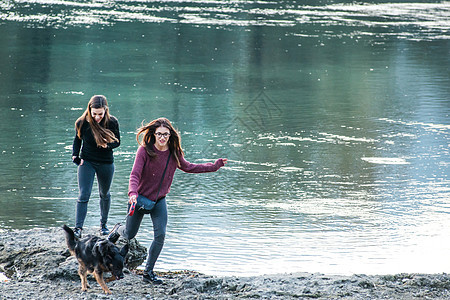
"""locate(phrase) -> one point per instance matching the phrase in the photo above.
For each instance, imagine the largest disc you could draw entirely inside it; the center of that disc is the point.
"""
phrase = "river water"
(334, 117)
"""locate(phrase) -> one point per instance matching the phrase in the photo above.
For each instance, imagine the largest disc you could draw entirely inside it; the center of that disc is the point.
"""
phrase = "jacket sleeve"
(199, 168)
(114, 127)
(76, 146)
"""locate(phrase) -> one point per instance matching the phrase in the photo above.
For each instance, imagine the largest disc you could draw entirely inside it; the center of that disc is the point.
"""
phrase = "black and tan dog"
(96, 255)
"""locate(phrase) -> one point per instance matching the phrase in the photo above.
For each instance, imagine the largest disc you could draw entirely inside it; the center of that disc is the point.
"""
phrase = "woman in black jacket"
(97, 133)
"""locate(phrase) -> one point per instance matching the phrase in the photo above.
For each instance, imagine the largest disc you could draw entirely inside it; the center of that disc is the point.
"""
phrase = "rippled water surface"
(334, 117)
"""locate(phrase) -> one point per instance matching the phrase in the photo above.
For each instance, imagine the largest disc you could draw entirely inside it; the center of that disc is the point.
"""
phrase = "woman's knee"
(104, 179)
(160, 238)
(85, 191)
(105, 196)
(131, 228)
(128, 235)
(83, 198)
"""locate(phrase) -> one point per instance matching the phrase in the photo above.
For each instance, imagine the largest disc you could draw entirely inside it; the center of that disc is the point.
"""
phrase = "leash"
(133, 205)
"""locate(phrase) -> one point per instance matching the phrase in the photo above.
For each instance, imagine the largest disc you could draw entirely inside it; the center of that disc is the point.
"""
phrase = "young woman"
(157, 159)
(97, 133)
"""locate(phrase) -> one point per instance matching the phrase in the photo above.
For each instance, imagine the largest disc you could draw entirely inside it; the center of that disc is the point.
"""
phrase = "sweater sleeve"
(136, 172)
(199, 168)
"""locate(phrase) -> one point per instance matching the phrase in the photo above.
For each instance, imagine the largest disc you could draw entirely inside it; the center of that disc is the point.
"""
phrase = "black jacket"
(89, 149)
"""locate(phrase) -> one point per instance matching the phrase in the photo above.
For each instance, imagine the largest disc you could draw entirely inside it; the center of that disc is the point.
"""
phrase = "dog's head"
(113, 258)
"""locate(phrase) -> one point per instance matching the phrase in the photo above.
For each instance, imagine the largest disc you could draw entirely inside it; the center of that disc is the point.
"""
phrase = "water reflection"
(333, 116)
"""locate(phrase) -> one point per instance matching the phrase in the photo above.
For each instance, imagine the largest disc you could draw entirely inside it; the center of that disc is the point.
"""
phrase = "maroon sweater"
(146, 173)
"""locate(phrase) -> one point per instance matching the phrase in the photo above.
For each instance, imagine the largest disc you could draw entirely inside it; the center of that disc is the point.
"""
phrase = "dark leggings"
(159, 220)
(86, 174)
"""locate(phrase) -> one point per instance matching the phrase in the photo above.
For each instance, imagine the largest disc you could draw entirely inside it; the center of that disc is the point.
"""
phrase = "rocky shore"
(38, 266)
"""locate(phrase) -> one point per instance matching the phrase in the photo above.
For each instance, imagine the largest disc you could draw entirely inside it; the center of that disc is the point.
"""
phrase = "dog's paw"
(112, 278)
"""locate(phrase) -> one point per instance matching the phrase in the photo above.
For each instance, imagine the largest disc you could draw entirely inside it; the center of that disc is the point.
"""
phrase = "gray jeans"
(159, 220)
(86, 174)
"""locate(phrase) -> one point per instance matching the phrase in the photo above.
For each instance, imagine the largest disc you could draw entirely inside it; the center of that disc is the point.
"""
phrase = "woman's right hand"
(81, 160)
(132, 199)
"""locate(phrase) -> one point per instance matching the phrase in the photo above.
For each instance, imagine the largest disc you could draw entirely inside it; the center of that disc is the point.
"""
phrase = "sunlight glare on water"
(427, 20)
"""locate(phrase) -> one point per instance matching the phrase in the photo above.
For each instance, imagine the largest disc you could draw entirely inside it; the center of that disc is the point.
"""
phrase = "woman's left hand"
(105, 144)
(225, 160)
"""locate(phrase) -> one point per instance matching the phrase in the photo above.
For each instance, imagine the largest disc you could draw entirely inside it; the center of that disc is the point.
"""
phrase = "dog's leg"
(83, 276)
(99, 277)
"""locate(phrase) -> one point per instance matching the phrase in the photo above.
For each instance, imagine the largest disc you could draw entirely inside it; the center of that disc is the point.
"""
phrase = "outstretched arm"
(201, 168)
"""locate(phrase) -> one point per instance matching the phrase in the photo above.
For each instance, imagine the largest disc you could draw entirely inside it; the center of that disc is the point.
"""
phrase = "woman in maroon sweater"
(157, 159)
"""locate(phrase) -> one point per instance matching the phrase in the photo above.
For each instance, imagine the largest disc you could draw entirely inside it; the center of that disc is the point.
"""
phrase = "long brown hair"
(101, 134)
(148, 140)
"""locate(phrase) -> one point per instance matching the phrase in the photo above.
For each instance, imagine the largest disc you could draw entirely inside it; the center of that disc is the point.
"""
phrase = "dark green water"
(334, 118)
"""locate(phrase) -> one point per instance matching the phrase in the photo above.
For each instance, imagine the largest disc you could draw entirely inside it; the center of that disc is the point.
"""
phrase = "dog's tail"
(70, 238)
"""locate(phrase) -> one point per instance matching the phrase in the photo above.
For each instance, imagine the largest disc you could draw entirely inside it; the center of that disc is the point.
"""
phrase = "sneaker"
(114, 234)
(104, 230)
(77, 232)
(151, 278)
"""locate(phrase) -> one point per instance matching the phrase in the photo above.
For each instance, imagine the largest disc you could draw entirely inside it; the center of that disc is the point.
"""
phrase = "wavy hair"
(148, 138)
(101, 134)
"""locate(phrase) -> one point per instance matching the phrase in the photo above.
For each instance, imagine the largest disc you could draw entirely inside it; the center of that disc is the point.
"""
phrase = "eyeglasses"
(165, 135)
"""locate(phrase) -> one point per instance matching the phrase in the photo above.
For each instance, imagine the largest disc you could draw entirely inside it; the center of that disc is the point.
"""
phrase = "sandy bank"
(39, 267)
